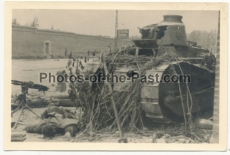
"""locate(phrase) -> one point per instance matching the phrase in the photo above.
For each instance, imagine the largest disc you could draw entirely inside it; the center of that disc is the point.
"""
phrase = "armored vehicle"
(166, 101)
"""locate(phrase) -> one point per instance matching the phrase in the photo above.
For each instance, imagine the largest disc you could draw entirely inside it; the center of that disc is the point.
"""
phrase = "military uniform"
(58, 125)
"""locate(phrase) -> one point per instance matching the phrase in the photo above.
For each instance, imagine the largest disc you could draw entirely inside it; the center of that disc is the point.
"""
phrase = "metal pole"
(116, 25)
(15, 125)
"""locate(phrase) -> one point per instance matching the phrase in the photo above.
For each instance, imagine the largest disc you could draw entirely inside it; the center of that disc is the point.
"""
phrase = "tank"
(162, 101)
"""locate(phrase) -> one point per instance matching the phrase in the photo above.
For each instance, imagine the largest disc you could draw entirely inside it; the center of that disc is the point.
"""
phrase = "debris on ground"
(203, 123)
(18, 136)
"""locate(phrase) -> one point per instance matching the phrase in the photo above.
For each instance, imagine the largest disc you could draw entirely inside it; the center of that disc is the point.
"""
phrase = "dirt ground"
(166, 132)
(29, 118)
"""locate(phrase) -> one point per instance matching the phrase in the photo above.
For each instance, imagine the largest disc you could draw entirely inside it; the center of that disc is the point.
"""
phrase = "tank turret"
(171, 31)
(167, 36)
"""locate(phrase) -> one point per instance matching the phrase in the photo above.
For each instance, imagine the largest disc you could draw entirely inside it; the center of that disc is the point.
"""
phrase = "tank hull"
(163, 101)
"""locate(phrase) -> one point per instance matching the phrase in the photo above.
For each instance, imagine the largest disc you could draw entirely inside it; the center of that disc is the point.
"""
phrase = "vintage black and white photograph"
(115, 76)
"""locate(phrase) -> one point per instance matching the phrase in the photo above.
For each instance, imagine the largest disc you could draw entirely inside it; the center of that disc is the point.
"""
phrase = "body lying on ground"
(51, 127)
(55, 121)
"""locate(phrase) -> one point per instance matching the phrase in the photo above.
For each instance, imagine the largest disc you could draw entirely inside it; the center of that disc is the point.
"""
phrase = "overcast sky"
(102, 22)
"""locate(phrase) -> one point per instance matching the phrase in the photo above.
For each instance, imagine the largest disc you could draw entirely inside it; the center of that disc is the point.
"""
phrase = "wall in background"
(33, 42)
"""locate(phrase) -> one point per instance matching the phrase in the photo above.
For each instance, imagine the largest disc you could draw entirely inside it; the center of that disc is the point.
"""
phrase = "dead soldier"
(56, 121)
